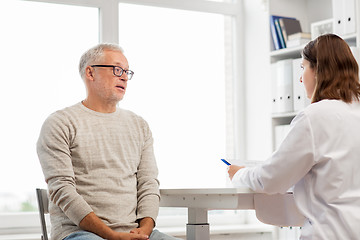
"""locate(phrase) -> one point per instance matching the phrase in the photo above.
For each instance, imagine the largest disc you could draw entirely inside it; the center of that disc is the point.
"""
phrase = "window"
(179, 88)
(184, 65)
(39, 58)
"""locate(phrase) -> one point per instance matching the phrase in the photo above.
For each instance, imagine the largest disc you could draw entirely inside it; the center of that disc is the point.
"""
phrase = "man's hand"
(146, 226)
(92, 223)
(233, 169)
(129, 236)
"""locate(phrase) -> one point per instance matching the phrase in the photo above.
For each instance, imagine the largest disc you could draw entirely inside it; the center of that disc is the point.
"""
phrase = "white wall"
(257, 75)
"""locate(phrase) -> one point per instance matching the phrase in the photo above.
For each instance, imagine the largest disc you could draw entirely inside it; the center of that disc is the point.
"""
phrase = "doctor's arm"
(286, 166)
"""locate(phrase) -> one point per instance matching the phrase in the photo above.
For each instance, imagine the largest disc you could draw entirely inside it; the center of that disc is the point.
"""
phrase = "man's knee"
(156, 235)
(83, 235)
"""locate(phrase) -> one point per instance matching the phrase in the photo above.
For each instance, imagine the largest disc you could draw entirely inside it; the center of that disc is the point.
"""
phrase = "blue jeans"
(84, 235)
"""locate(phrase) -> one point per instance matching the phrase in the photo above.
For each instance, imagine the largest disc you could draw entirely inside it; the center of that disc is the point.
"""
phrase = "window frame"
(25, 223)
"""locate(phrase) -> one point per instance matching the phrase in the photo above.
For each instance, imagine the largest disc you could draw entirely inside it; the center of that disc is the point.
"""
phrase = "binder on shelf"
(338, 17)
(344, 16)
(285, 88)
(350, 25)
(280, 34)
(289, 26)
(282, 90)
(274, 94)
(275, 36)
(300, 98)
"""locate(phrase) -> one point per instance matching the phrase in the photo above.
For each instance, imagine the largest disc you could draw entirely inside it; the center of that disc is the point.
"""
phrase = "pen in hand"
(232, 169)
(226, 162)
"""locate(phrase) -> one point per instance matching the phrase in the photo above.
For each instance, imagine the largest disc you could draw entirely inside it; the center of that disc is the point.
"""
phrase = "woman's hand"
(233, 169)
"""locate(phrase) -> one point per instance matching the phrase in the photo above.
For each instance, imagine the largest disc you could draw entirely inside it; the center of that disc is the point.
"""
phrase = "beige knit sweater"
(101, 162)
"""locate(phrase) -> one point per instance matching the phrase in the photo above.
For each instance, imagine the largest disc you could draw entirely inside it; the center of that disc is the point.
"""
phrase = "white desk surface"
(208, 198)
(202, 191)
(277, 209)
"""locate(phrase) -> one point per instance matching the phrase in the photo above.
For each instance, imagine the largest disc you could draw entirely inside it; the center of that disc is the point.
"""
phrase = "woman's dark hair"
(336, 70)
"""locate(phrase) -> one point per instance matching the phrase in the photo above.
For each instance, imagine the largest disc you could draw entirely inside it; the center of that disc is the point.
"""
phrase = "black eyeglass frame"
(129, 73)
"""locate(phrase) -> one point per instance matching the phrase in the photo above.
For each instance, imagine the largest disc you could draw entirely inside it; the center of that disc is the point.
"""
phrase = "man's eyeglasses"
(118, 71)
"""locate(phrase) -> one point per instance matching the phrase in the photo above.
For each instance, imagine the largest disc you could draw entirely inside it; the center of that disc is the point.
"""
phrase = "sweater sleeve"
(291, 162)
(147, 182)
(53, 148)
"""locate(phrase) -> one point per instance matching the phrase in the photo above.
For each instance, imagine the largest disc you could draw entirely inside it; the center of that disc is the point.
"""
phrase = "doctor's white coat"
(320, 157)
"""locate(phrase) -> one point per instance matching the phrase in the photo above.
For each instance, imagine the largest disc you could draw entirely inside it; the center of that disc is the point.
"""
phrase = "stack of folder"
(288, 93)
(298, 39)
(344, 17)
(281, 27)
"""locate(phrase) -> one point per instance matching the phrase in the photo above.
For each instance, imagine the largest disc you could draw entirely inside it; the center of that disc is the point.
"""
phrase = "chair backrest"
(43, 202)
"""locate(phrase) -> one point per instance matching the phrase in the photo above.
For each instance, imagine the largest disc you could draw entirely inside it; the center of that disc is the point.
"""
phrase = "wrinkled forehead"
(115, 58)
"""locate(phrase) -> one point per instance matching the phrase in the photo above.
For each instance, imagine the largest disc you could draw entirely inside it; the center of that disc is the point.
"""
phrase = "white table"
(278, 209)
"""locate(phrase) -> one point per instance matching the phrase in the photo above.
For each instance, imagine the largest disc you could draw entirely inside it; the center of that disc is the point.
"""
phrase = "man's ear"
(89, 71)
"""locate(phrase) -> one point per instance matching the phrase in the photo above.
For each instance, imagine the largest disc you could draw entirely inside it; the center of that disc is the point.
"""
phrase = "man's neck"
(99, 107)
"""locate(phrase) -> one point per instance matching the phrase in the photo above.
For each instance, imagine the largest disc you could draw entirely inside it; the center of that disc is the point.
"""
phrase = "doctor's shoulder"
(325, 110)
(312, 109)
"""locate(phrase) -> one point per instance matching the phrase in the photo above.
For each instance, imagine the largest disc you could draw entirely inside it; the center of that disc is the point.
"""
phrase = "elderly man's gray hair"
(94, 55)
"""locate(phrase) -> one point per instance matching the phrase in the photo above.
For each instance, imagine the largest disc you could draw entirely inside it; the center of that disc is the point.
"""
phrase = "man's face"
(108, 87)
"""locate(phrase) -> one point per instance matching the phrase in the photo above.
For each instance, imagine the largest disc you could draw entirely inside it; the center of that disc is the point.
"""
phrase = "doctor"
(320, 156)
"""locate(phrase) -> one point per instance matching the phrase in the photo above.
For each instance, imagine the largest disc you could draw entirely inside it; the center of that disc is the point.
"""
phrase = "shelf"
(285, 53)
(295, 52)
(284, 115)
(307, 12)
(350, 39)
